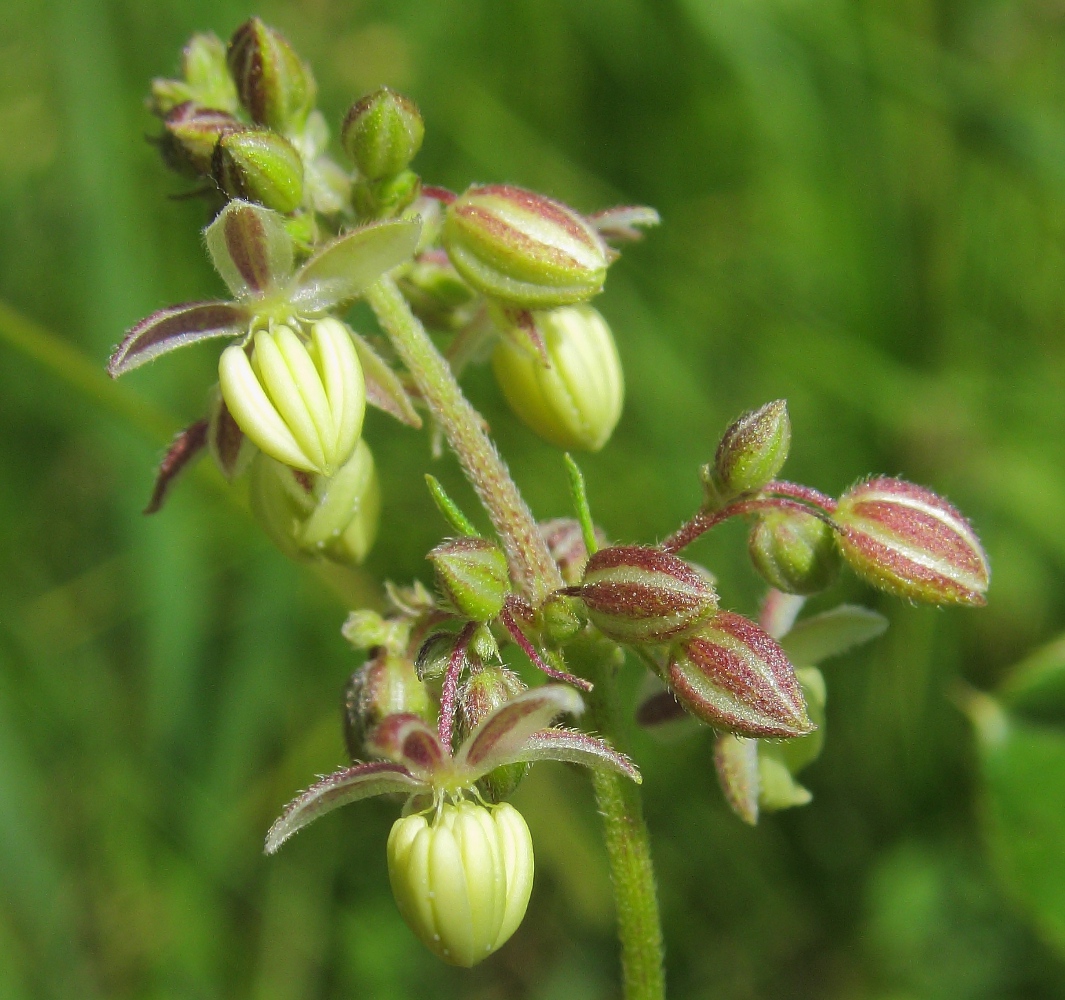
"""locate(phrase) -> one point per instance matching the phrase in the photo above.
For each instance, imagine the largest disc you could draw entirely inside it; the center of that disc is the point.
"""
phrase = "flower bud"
(794, 552)
(523, 248)
(750, 454)
(332, 516)
(301, 403)
(909, 542)
(365, 629)
(382, 133)
(473, 575)
(275, 86)
(386, 684)
(560, 620)
(735, 677)
(638, 594)
(259, 165)
(190, 135)
(484, 692)
(802, 751)
(462, 882)
(575, 400)
(205, 79)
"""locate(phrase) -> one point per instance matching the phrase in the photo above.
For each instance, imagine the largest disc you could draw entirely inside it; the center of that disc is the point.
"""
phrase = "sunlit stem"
(707, 519)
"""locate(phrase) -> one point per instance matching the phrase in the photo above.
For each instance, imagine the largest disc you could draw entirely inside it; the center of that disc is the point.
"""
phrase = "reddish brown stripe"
(546, 208)
(646, 558)
(246, 242)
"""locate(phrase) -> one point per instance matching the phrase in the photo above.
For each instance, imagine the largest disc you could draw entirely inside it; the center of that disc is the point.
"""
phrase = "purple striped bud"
(523, 248)
(275, 86)
(386, 684)
(750, 454)
(909, 542)
(190, 134)
(382, 133)
(638, 594)
(734, 676)
(473, 575)
(794, 552)
(261, 166)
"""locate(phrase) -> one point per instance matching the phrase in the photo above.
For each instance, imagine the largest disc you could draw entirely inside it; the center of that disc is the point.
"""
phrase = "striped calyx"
(734, 676)
(462, 878)
(275, 86)
(260, 166)
(571, 392)
(190, 134)
(794, 552)
(473, 574)
(909, 542)
(523, 248)
(386, 684)
(382, 133)
(639, 594)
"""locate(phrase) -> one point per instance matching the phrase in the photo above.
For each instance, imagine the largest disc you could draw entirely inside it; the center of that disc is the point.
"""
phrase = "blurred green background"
(864, 212)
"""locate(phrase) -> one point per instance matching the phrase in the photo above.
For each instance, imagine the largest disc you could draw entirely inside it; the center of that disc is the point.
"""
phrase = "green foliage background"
(864, 212)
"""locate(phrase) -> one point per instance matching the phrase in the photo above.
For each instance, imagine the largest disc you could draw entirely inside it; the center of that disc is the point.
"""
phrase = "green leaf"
(831, 633)
(1036, 685)
(350, 264)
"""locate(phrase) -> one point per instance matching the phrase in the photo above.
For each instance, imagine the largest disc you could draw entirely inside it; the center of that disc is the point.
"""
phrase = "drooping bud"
(190, 135)
(462, 882)
(473, 574)
(261, 166)
(331, 516)
(275, 86)
(205, 79)
(575, 399)
(386, 684)
(735, 677)
(301, 402)
(639, 594)
(794, 552)
(382, 133)
(523, 248)
(751, 453)
(485, 691)
(909, 542)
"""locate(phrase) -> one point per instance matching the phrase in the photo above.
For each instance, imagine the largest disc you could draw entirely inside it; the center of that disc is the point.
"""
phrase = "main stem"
(627, 840)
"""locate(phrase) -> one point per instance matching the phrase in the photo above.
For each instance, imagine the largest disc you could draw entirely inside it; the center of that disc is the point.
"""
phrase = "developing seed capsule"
(473, 575)
(575, 399)
(794, 552)
(906, 540)
(301, 403)
(638, 594)
(523, 248)
(462, 878)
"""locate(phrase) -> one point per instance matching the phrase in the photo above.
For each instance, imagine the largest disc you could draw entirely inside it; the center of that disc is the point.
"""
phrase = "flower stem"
(707, 519)
(531, 565)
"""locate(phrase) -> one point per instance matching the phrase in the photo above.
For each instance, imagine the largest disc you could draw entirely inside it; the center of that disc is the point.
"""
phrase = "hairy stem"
(628, 843)
(531, 565)
(707, 519)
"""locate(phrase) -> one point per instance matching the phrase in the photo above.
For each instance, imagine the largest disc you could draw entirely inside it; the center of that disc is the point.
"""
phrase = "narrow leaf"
(409, 740)
(579, 496)
(338, 789)
(450, 510)
(504, 732)
(383, 386)
(251, 248)
(183, 449)
(575, 748)
(169, 329)
(831, 633)
(350, 264)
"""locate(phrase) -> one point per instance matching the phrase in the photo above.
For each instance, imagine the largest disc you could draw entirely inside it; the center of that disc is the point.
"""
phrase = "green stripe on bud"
(462, 882)
(638, 594)
(382, 133)
(734, 676)
(523, 248)
(574, 400)
(275, 86)
(751, 452)
(302, 402)
(473, 574)
(910, 542)
(794, 552)
(261, 166)
(386, 684)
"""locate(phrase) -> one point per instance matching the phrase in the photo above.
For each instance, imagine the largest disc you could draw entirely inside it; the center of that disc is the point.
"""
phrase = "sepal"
(251, 249)
(409, 740)
(184, 449)
(624, 223)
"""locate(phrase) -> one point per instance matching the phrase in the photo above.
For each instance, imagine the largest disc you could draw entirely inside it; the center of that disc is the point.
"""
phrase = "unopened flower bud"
(802, 751)
(560, 619)
(301, 402)
(386, 684)
(190, 135)
(523, 248)
(734, 676)
(573, 400)
(485, 691)
(365, 629)
(906, 540)
(794, 552)
(331, 516)
(259, 165)
(462, 878)
(751, 453)
(473, 574)
(275, 86)
(205, 79)
(382, 133)
(639, 594)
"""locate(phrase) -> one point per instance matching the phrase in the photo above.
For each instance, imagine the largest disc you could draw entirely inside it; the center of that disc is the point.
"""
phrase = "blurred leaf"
(1036, 685)
(831, 633)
